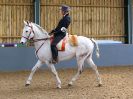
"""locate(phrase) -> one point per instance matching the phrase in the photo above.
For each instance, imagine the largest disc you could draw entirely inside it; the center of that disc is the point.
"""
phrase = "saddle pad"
(73, 40)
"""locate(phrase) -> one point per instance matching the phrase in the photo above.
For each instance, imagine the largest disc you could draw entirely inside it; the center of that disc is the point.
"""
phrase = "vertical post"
(130, 21)
(127, 38)
(37, 11)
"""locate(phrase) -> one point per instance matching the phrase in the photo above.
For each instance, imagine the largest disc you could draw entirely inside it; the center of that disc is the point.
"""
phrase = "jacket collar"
(66, 14)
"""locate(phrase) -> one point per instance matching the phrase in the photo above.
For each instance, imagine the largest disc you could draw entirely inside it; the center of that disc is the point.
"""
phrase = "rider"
(59, 34)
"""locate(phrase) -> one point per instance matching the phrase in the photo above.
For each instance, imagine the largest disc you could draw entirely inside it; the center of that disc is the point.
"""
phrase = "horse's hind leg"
(80, 62)
(37, 66)
(94, 67)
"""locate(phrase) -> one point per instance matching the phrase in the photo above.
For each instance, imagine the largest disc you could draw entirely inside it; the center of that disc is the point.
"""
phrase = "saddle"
(71, 39)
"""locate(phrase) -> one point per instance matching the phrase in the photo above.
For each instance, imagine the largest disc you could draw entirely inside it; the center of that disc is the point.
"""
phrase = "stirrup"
(53, 61)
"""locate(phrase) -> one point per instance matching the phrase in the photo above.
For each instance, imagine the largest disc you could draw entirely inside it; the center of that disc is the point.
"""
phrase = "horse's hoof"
(58, 87)
(26, 85)
(99, 85)
(69, 85)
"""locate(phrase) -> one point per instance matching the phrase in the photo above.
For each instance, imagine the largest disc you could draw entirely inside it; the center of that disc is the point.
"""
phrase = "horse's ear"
(25, 22)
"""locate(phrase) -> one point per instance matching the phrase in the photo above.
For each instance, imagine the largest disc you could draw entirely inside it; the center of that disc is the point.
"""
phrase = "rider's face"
(62, 13)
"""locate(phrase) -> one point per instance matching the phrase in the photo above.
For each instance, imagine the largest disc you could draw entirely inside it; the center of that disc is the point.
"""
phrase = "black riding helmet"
(65, 8)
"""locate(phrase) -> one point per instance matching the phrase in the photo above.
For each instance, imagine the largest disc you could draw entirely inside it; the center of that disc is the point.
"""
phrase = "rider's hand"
(51, 33)
(63, 29)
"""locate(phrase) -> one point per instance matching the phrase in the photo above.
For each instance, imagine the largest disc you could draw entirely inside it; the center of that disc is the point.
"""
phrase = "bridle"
(31, 31)
(35, 40)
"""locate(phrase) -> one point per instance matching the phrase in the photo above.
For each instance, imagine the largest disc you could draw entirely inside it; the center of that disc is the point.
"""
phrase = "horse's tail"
(97, 48)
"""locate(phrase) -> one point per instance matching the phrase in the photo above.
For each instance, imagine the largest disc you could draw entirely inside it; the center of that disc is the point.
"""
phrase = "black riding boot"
(54, 54)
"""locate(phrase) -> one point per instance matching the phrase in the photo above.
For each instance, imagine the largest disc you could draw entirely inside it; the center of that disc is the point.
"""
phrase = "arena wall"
(15, 59)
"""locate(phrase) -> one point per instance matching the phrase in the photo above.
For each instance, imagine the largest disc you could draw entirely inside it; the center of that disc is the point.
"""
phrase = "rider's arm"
(64, 23)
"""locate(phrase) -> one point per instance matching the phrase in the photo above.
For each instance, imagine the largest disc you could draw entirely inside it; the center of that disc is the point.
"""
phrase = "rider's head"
(64, 9)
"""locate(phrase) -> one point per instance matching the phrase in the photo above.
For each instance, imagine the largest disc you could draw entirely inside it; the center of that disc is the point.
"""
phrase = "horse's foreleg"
(80, 62)
(53, 70)
(37, 66)
(94, 67)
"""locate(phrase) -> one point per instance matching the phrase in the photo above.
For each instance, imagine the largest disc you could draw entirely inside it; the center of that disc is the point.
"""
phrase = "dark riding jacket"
(64, 22)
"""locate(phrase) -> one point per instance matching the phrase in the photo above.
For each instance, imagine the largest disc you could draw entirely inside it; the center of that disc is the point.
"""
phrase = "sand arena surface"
(117, 84)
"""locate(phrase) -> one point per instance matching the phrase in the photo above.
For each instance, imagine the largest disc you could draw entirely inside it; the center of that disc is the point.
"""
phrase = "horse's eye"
(26, 31)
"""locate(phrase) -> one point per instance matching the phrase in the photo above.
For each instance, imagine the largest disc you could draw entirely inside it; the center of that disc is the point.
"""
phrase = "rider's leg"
(54, 49)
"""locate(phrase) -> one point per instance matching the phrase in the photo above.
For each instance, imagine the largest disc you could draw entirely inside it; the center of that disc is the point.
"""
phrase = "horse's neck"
(40, 35)
(39, 32)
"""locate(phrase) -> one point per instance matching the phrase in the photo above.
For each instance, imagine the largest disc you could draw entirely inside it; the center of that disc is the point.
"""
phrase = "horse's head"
(28, 32)
(34, 32)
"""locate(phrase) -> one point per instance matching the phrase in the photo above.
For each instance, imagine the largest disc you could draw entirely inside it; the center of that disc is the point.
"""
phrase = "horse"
(83, 52)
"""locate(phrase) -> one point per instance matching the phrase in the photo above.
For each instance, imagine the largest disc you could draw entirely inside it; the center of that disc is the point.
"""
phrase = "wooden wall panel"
(12, 15)
(101, 19)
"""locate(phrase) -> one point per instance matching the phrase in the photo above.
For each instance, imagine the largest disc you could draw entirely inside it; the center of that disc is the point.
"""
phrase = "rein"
(37, 40)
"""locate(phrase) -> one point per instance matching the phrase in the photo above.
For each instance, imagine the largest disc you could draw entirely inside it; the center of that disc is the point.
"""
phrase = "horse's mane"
(40, 28)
